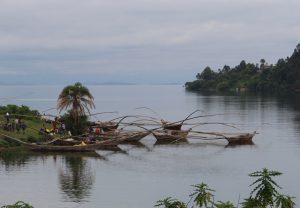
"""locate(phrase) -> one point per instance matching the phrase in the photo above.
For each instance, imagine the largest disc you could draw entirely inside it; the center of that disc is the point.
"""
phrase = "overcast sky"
(139, 41)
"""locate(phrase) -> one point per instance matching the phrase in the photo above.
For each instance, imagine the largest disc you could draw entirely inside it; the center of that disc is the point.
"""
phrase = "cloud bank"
(140, 40)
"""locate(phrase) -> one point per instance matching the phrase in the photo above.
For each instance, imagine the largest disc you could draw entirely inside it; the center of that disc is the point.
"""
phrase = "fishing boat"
(170, 135)
(123, 136)
(112, 146)
(170, 126)
(82, 147)
(176, 125)
(105, 127)
(245, 138)
(134, 136)
(232, 138)
(69, 148)
(109, 126)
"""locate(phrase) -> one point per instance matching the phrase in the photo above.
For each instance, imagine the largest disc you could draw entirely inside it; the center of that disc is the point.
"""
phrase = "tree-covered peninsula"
(262, 77)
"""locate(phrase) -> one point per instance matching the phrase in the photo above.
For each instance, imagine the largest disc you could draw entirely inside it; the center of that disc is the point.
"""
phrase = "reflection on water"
(12, 159)
(76, 179)
(75, 175)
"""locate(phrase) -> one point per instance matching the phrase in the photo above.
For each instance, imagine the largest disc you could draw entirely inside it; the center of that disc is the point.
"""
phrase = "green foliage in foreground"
(283, 76)
(18, 204)
(265, 194)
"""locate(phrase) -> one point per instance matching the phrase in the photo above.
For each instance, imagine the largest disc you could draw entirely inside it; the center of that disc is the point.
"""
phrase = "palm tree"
(77, 98)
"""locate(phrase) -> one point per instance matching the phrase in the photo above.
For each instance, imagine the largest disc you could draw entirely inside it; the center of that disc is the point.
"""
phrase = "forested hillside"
(283, 76)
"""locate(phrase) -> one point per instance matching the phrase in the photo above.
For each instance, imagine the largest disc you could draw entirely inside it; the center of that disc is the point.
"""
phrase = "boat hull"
(172, 127)
(135, 137)
(170, 135)
(123, 137)
(73, 148)
(241, 139)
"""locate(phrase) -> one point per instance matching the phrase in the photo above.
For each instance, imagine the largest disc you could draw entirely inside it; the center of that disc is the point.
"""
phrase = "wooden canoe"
(108, 126)
(245, 138)
(135, 136)
(70, 148)
(124, 136)
(170, 135)
(170, 126)
(112, 146)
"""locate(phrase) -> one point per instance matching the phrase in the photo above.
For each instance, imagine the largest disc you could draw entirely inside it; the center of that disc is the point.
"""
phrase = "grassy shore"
(31, 133)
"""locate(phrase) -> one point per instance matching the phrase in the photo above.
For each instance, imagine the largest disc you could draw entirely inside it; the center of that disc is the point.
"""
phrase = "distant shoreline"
(284, 76)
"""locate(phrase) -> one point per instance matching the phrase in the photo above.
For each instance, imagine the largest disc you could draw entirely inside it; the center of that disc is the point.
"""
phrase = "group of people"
(14, 125)
(94, 130)
(57, 127)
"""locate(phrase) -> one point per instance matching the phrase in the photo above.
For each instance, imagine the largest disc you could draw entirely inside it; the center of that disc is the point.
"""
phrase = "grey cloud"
(104, 37)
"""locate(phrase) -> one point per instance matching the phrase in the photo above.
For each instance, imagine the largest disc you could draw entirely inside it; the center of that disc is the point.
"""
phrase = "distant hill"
(283, 76)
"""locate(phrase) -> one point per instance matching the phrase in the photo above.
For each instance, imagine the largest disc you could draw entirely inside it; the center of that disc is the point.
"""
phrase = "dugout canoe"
(245, 138)
(123, 136)
(113, 146)
(170, 135)
(70, 148)
(133, 136)
(170, 126)
(109, 128)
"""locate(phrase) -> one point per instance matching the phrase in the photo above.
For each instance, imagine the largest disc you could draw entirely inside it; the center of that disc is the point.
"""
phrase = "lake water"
(141, 175)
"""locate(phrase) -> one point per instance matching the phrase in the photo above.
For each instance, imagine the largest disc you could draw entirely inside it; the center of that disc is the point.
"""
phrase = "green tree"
(77, 127)
(227, 204)
(207, 74)
(252, 203)
(283, 201)
(266, 188)
(202, 195)
(77, 98)
(170, 203)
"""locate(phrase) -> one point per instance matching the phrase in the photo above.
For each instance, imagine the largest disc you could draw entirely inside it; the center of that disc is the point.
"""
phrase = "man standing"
(7, 117)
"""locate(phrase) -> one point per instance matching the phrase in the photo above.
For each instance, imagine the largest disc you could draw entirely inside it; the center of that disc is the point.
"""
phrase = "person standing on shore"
(7, 117)
(23, 127)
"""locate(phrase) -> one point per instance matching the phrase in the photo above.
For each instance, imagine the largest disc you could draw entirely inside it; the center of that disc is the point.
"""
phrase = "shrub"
(18, 204)
(264, 195)
(76, 127)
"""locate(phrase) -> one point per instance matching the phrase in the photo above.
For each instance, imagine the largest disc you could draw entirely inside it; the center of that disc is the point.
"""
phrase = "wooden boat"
(232, 138)
(176, 125)
(109, 127)
(170, 126)
(134, 136)
(112, 146)
(170, 135)
(123, 136)
(66, 142)
(70, 148)
(58, 148)
(105, 126)
(245, 138)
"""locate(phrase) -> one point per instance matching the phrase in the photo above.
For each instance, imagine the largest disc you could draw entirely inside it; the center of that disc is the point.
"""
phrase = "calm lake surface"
(143, 174)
